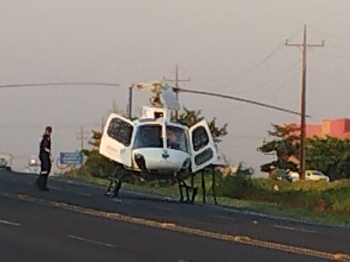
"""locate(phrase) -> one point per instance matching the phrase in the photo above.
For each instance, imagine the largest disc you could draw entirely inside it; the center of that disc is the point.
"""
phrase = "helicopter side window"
(120, 131)
(149, 136)
(176, 138)
(200, 138)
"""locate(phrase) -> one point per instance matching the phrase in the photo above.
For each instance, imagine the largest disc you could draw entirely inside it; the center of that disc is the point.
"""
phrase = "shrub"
(234, 186)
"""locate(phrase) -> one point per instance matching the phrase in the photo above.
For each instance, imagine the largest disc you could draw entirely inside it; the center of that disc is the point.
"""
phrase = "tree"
(192, 117)
(330, 155)
(285, 144)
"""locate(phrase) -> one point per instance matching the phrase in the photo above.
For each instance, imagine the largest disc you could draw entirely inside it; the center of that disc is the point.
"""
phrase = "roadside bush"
(234, 186)
(312, 195)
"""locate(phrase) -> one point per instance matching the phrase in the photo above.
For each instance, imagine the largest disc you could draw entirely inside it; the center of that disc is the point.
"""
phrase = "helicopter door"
(202, 146)
(116, 140)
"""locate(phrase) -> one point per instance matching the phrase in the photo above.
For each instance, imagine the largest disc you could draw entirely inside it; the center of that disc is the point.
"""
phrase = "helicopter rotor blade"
(60, 84)
(237, 99)
(147, 84)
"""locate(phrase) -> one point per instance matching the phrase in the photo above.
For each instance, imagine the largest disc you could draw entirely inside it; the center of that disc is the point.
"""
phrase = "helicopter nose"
(140, 161)
(186, 164)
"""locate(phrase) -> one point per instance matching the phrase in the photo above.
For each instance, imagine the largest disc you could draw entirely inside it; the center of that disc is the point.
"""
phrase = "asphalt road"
(75, 222)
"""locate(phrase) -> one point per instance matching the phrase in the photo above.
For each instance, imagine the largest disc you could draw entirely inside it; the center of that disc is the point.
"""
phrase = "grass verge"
(327, 217)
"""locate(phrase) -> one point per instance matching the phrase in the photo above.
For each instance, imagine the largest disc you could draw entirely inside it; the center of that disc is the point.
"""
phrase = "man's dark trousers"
(45, 170)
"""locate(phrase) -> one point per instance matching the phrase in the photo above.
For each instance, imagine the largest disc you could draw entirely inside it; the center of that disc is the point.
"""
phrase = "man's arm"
(45, 145)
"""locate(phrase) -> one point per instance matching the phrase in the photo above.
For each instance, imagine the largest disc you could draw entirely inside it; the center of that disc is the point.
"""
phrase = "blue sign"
(75, 158)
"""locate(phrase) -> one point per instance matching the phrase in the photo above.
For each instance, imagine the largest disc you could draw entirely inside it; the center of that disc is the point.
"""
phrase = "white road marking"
(161, 208)
(222, 217)
(90, 241)
(6, 222)
(295, 229)
(57, 188)
(116, 200)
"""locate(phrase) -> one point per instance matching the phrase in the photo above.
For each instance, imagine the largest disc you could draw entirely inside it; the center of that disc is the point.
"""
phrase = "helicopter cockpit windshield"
(149, 136)
(177, 138)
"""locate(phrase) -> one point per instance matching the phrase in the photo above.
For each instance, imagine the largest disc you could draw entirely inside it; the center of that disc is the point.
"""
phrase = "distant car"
(33, 166)
(3, 163)
(314, 175)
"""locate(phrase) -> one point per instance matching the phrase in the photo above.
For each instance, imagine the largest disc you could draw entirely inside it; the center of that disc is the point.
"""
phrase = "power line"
(303, 46)
(271, 80)
(247, 71)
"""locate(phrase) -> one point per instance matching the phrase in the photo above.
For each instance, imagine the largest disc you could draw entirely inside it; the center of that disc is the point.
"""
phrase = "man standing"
(45, 159)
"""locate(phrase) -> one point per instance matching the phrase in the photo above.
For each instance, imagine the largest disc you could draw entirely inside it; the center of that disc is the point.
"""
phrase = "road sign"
(75, 158)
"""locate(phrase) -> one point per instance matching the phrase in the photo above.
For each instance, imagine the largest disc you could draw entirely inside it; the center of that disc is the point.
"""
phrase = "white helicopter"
(155, 147)
(179, 153)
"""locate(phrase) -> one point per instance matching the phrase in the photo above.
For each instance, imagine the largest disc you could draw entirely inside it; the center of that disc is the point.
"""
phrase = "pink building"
(338, 127)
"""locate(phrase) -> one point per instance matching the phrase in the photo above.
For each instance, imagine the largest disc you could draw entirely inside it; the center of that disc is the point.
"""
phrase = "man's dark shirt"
(45, 146)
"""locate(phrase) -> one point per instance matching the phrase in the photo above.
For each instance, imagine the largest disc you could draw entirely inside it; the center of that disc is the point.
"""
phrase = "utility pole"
(129, 106)
(81, 136)
(177, 80)
(114, 107)
(303, 46)
(102, 124)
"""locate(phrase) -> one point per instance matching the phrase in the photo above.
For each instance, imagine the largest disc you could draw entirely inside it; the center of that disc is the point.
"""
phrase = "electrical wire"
(347, 81)
(257, 65)
(271, 80)
(334, 55)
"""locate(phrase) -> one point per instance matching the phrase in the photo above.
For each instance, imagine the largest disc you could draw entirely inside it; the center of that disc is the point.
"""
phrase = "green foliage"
(311, 195)
(284, 144)
(97, 165)
(329, 155)
(192, 117)
(234, 186)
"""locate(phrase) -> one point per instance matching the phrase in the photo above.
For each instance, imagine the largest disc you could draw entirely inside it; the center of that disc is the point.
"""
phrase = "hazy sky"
(228, 46)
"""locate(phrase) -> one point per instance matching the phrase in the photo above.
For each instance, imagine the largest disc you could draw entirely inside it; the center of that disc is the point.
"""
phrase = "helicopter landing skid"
(114, 186)
(182, 184)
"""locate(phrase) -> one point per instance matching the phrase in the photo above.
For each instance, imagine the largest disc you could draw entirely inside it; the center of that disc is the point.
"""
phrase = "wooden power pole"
(81, 136)
(303, 46)
(177, 80)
